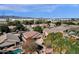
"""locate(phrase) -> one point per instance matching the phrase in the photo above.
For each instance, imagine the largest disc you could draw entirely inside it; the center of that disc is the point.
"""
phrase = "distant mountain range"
(15, 17)
(19, 17)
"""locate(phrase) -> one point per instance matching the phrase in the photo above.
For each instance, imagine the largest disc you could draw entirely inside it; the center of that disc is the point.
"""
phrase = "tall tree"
(58, 23)
(38, 29)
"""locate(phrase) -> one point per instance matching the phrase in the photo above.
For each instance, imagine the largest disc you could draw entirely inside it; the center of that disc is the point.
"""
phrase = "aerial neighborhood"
(27, 35)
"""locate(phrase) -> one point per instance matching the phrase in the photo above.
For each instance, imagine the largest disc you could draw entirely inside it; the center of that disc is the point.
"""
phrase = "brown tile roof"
(31, 34)
(59, 29)
(9, 40)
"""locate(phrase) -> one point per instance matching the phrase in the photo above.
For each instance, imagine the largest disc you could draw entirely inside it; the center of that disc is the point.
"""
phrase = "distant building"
(3, 21)
(42, 25)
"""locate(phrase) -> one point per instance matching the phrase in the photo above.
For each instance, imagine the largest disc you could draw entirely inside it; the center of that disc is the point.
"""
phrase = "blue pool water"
(14, 51)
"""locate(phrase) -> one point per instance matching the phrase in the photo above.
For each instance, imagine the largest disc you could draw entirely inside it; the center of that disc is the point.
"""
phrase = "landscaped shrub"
(61, 44)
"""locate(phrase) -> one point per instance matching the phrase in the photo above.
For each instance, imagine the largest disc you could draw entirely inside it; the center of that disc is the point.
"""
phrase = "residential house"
(32, 37)
(8, 42)
(61, 28)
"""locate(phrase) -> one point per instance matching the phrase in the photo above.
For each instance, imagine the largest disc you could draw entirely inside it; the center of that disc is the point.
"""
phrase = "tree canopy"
(58, 23)
(4, 28)
(38, 29)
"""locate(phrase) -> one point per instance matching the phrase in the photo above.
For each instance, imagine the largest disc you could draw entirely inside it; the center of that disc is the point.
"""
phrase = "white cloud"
(16, 8)
(44, 8)
(29, 8)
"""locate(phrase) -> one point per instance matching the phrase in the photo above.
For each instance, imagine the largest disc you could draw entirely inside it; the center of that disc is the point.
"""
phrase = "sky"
(40, 10)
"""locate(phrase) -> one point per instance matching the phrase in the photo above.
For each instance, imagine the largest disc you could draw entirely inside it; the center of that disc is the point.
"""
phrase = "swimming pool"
(17, 51)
